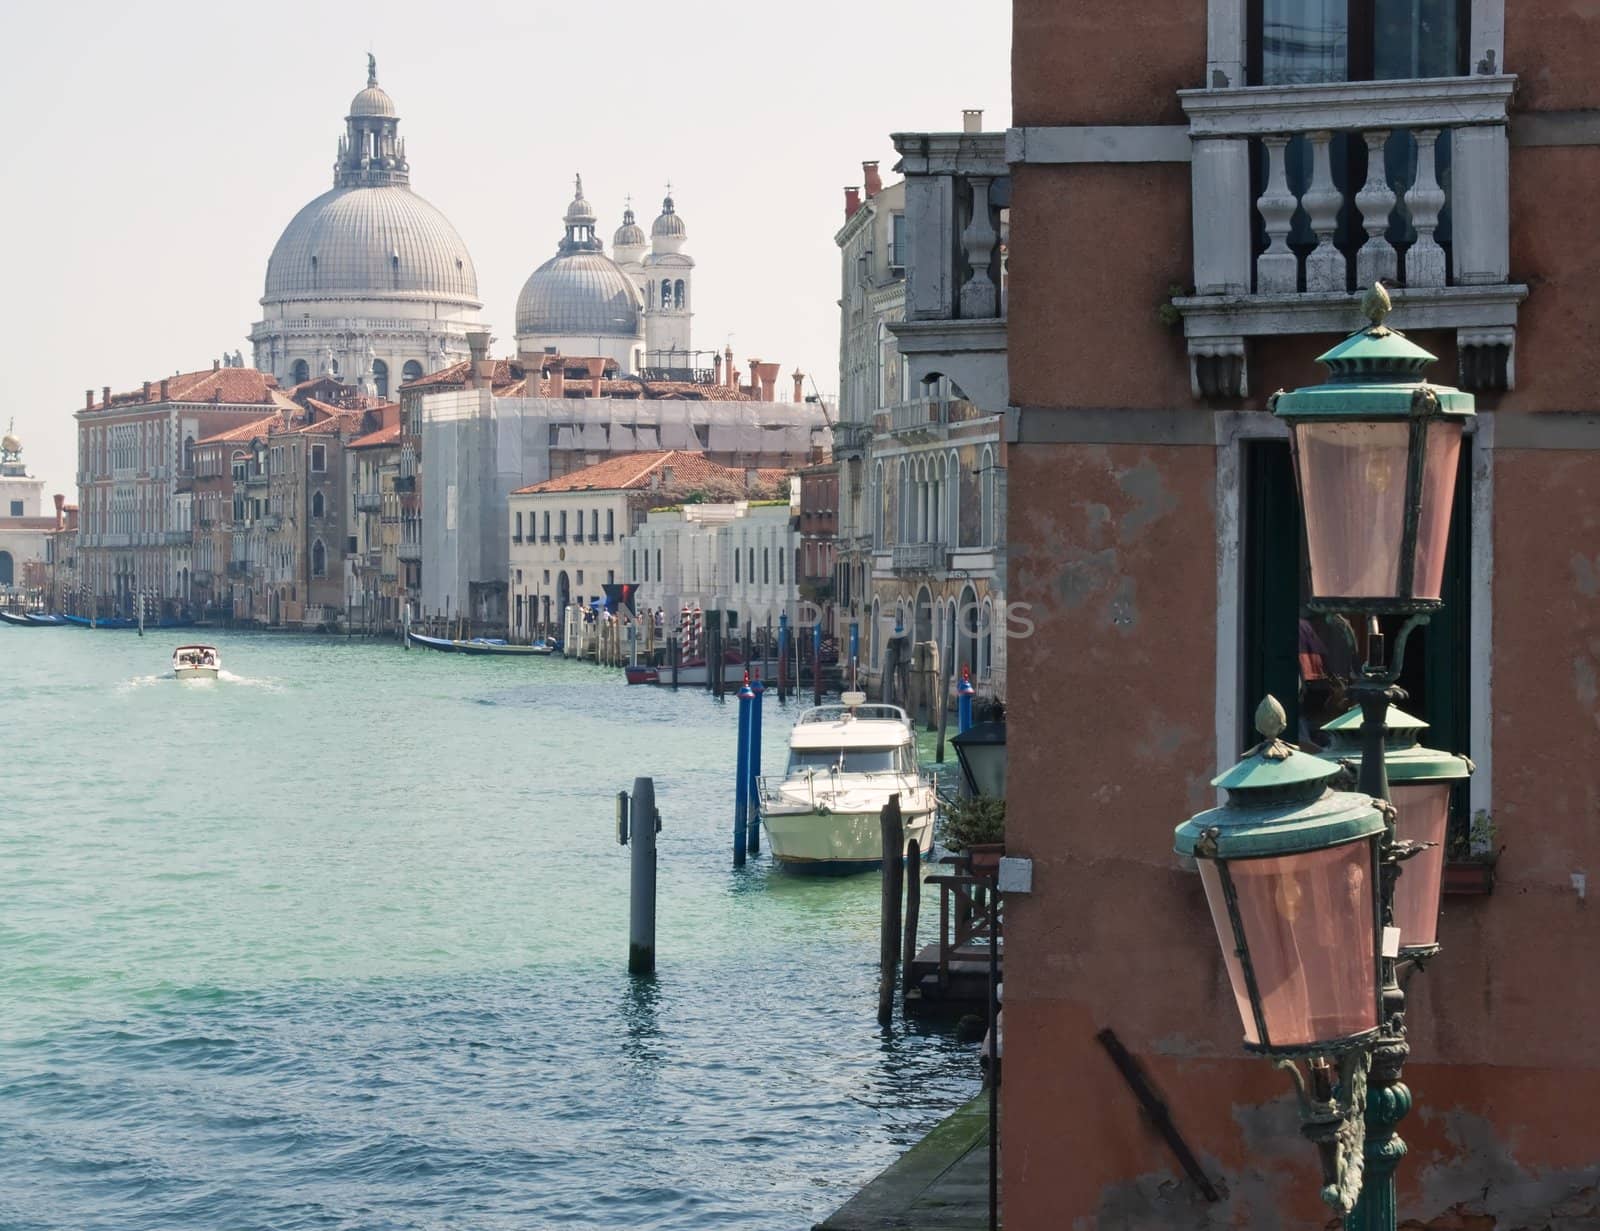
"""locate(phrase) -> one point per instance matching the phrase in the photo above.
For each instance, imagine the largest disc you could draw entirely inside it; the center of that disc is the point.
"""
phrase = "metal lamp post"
(1375, 449)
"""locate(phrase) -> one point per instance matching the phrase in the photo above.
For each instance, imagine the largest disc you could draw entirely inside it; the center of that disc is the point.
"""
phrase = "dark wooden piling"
(908, 949)
(894, 837)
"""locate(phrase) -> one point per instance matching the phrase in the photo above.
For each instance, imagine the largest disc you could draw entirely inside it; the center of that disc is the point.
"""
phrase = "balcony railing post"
(1376, 261)
(1325, 267)
(979, 295)
(1220, 177)
(1425, 262)
(1277, 269)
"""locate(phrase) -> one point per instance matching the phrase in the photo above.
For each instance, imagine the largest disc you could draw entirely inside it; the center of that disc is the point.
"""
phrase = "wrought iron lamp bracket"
(1374, 672)
(1333, 1118)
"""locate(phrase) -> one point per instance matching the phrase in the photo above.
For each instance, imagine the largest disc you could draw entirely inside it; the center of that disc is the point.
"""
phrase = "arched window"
(677, 294)
(300, 372)
(188, 454)
(986, 498)
(766, 565)
(736, 564)
(666, 292)
(412, 371)
(319, 559)
(380, 377)
(317, 504)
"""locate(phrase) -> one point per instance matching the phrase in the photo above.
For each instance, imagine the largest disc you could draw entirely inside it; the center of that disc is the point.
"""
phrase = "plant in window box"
(976, 825)
(1470, 857)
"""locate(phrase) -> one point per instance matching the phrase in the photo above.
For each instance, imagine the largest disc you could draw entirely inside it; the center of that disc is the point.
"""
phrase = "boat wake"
(224, 676)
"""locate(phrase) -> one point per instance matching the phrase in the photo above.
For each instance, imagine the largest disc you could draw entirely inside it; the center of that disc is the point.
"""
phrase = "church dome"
(668, 225)
(373, 101)
(578, 293)
(381, 242)
(630, 234)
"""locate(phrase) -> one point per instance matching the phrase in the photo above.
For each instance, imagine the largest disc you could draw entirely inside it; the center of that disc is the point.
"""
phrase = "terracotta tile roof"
(383, 436)
(634, 471)
(227, 386)
(513, 378)
(244, 432)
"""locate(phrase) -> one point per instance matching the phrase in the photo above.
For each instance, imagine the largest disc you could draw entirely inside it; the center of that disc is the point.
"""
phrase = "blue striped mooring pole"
(754, 828)
(816, 663)
(741, 805)
(855, 649)
(964, 692)
(783, 654)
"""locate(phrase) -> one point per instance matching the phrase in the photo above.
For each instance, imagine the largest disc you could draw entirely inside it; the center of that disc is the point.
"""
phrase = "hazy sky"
(153, 153)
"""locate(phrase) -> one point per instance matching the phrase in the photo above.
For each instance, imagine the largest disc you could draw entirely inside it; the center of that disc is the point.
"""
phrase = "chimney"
(88, 399)
(716, 368)
(729, 369)
(480, 371)
(147, 391)
(105, 395)
(166, 386)
(768, 377)
(216, 365)
(558, 378)
(597, 369)
(799, 385)
(873, 181)
(61, 516)
(972, 120)
(755, 377)
(852, 202)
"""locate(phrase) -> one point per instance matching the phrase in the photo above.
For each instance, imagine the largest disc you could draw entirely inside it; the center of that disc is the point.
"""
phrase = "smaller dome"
(10, 444)
(373, 101)
(579, 212)
(668, 225)
(630, 234)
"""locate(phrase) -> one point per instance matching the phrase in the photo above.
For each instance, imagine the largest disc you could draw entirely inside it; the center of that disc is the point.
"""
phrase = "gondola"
(480, 645)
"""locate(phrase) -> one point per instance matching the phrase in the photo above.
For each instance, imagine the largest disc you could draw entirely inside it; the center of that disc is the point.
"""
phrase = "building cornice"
(1442, 102)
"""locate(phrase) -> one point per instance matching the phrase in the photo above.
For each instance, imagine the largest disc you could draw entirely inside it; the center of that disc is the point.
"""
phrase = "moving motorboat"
(845, 761)
(196, 662)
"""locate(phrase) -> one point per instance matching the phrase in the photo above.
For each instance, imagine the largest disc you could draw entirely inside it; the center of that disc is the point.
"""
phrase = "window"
(300, 372)
(647, 564)
(611, 524)
(317, 504)
(1302, 659)
(580, 577)
(766, 566)
(517, 538)
(561, 537)
(666, 292)
(412, 371)
(677, 293)
(1296, 42)
(611, 577)
(547, 577)
(319, 559)
(897, 242)
(659, 573)
(750, 571)
(16, 508)
(547, 531)
(580, 524)
(188, 454)
(319, 459)
(780, 566)
(380, 378)
(736, 564)
(594, 525)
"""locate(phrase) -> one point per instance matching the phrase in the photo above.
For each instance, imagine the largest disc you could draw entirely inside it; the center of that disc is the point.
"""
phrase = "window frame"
(1360, 25)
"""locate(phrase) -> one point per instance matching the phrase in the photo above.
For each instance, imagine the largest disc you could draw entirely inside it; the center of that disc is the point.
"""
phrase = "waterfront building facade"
(568, 533)
(61, 559)
(135, 458)
(222, 463)
(369, 283)
(735, 556)
(25, 529)
(818, 567)
(377, 594)
(1194, 217)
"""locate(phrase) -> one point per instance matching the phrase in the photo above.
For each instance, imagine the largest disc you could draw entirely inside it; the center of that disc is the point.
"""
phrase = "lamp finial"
(1270, 718)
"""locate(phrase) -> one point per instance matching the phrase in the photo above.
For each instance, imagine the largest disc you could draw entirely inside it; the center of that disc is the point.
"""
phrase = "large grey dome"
(578, 293)
(371, 242)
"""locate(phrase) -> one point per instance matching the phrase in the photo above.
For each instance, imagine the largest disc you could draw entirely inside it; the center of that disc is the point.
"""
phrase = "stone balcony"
(1303, 194)
(408, 551)
(369, 502)
(919, 557)
(958, 194)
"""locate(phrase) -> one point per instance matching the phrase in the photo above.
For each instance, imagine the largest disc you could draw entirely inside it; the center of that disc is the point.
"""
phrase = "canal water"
(340, 940)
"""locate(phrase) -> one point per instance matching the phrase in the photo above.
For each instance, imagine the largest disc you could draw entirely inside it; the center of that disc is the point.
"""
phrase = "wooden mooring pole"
(894, 836)
(637, 822)
(908, 952)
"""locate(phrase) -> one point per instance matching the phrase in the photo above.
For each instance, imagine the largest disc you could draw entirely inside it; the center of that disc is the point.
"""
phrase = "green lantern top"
(1375, 373)
(1404, 758)
(1279, 803)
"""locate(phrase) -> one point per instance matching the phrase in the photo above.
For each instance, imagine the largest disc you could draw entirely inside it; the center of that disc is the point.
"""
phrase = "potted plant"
(976, 825)
(1470, 857)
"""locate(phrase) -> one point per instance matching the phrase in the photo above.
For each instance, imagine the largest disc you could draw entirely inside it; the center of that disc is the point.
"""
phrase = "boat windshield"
(901, 760)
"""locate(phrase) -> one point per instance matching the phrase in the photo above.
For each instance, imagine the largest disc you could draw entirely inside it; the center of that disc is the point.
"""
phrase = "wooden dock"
(950, 974)
(940, 1184)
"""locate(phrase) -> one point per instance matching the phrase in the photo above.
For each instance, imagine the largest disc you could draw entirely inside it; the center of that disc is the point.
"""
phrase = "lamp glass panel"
(1218, 902)
(1353, 494)
(1309, 925)
(1440, 457)
(1422, 813)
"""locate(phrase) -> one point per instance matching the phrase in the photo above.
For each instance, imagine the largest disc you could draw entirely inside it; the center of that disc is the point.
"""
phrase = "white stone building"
(368, 282)
(24, 528)
(738, 556)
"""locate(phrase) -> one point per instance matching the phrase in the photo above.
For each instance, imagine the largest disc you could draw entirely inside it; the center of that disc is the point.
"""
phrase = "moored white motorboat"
(845, 761)
(196, 662)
